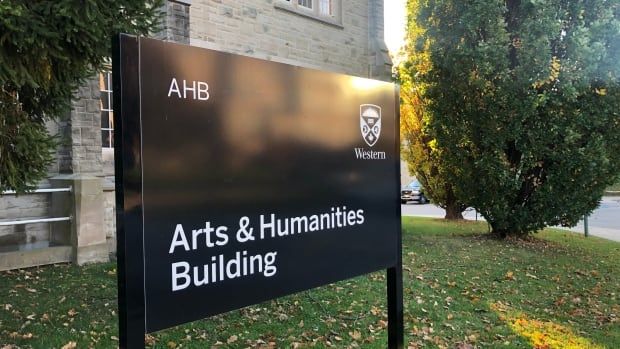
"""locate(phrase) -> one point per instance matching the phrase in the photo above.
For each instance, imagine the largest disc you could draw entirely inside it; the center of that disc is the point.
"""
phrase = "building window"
(107, 114)
(305, 3)
(328, 11)
(325, 7)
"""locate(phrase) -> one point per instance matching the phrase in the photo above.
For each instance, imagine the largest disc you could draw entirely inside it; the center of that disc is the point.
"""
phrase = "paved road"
(604, 221)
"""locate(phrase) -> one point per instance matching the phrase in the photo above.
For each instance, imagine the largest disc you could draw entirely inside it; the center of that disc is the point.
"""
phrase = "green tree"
(524, 99)
(47, 49)
(419, 148)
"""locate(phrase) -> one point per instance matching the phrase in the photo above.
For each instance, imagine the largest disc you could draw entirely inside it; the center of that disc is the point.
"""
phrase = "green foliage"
(524, 102)
(614, 187)
(47, 48)
(419, 148)
(23, 142)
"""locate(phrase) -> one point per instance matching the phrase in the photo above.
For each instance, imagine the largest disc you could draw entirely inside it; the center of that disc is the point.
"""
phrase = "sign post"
(235, 174)
(129, 224)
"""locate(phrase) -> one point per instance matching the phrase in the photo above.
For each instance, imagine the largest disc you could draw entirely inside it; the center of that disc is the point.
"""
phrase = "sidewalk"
(605, 233)
(604, 222)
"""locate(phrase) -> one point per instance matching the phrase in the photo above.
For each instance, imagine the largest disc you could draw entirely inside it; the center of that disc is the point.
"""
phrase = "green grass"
(459, 286)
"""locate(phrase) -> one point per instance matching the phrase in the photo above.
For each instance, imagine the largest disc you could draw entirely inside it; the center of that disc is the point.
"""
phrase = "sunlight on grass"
(542, 334)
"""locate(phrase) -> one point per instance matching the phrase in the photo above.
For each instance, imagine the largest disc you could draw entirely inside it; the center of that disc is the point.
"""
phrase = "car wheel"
(423, 200)
(404, 202)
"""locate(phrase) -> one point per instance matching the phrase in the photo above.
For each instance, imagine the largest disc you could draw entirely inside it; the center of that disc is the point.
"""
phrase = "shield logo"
(370, 123)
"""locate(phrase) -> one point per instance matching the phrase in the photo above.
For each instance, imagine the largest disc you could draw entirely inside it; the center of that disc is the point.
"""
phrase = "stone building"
(343, 36)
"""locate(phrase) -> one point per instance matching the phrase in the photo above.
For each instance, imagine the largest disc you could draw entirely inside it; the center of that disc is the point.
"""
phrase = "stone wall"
(60, 127)
(380, 63)
(175, 24)
(85, 124)
(262, 29)
(23, 206)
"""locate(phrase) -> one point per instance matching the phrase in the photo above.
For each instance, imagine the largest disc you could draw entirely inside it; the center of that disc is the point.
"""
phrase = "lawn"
(559, 290)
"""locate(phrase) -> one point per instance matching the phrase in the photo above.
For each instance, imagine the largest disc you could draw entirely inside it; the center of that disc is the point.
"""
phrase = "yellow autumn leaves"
(542, 334)
(554, 73)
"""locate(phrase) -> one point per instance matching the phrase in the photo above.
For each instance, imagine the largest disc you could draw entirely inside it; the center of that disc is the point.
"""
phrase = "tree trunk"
(454, 211)
(501, 234)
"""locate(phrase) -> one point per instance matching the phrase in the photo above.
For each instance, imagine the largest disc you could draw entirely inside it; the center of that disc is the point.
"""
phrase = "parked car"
(413, 192)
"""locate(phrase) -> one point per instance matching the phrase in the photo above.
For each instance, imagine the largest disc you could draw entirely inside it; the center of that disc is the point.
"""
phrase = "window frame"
(105, 77)
(299, 3)
(334, 19)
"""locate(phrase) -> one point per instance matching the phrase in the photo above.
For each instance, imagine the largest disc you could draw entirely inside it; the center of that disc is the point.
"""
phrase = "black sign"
(240, 180)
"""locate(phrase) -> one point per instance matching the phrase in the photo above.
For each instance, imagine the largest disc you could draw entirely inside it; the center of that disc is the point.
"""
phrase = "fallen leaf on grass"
(375, 310)
(356, 335)
(149, 340)
(449, 326)
(70, 345)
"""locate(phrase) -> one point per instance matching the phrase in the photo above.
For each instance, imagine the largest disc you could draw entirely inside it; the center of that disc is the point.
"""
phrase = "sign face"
(242, 180)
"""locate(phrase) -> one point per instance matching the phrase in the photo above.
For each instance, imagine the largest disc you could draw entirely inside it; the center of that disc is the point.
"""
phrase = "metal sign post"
(396, 324)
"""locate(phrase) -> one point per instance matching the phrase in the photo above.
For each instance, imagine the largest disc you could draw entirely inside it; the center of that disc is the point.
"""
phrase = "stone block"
(98, 253)
(41, 256)
(226, 11)
(76, 136)
(90, 132)
(85, 205)
(250, 12)
(84, 92)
